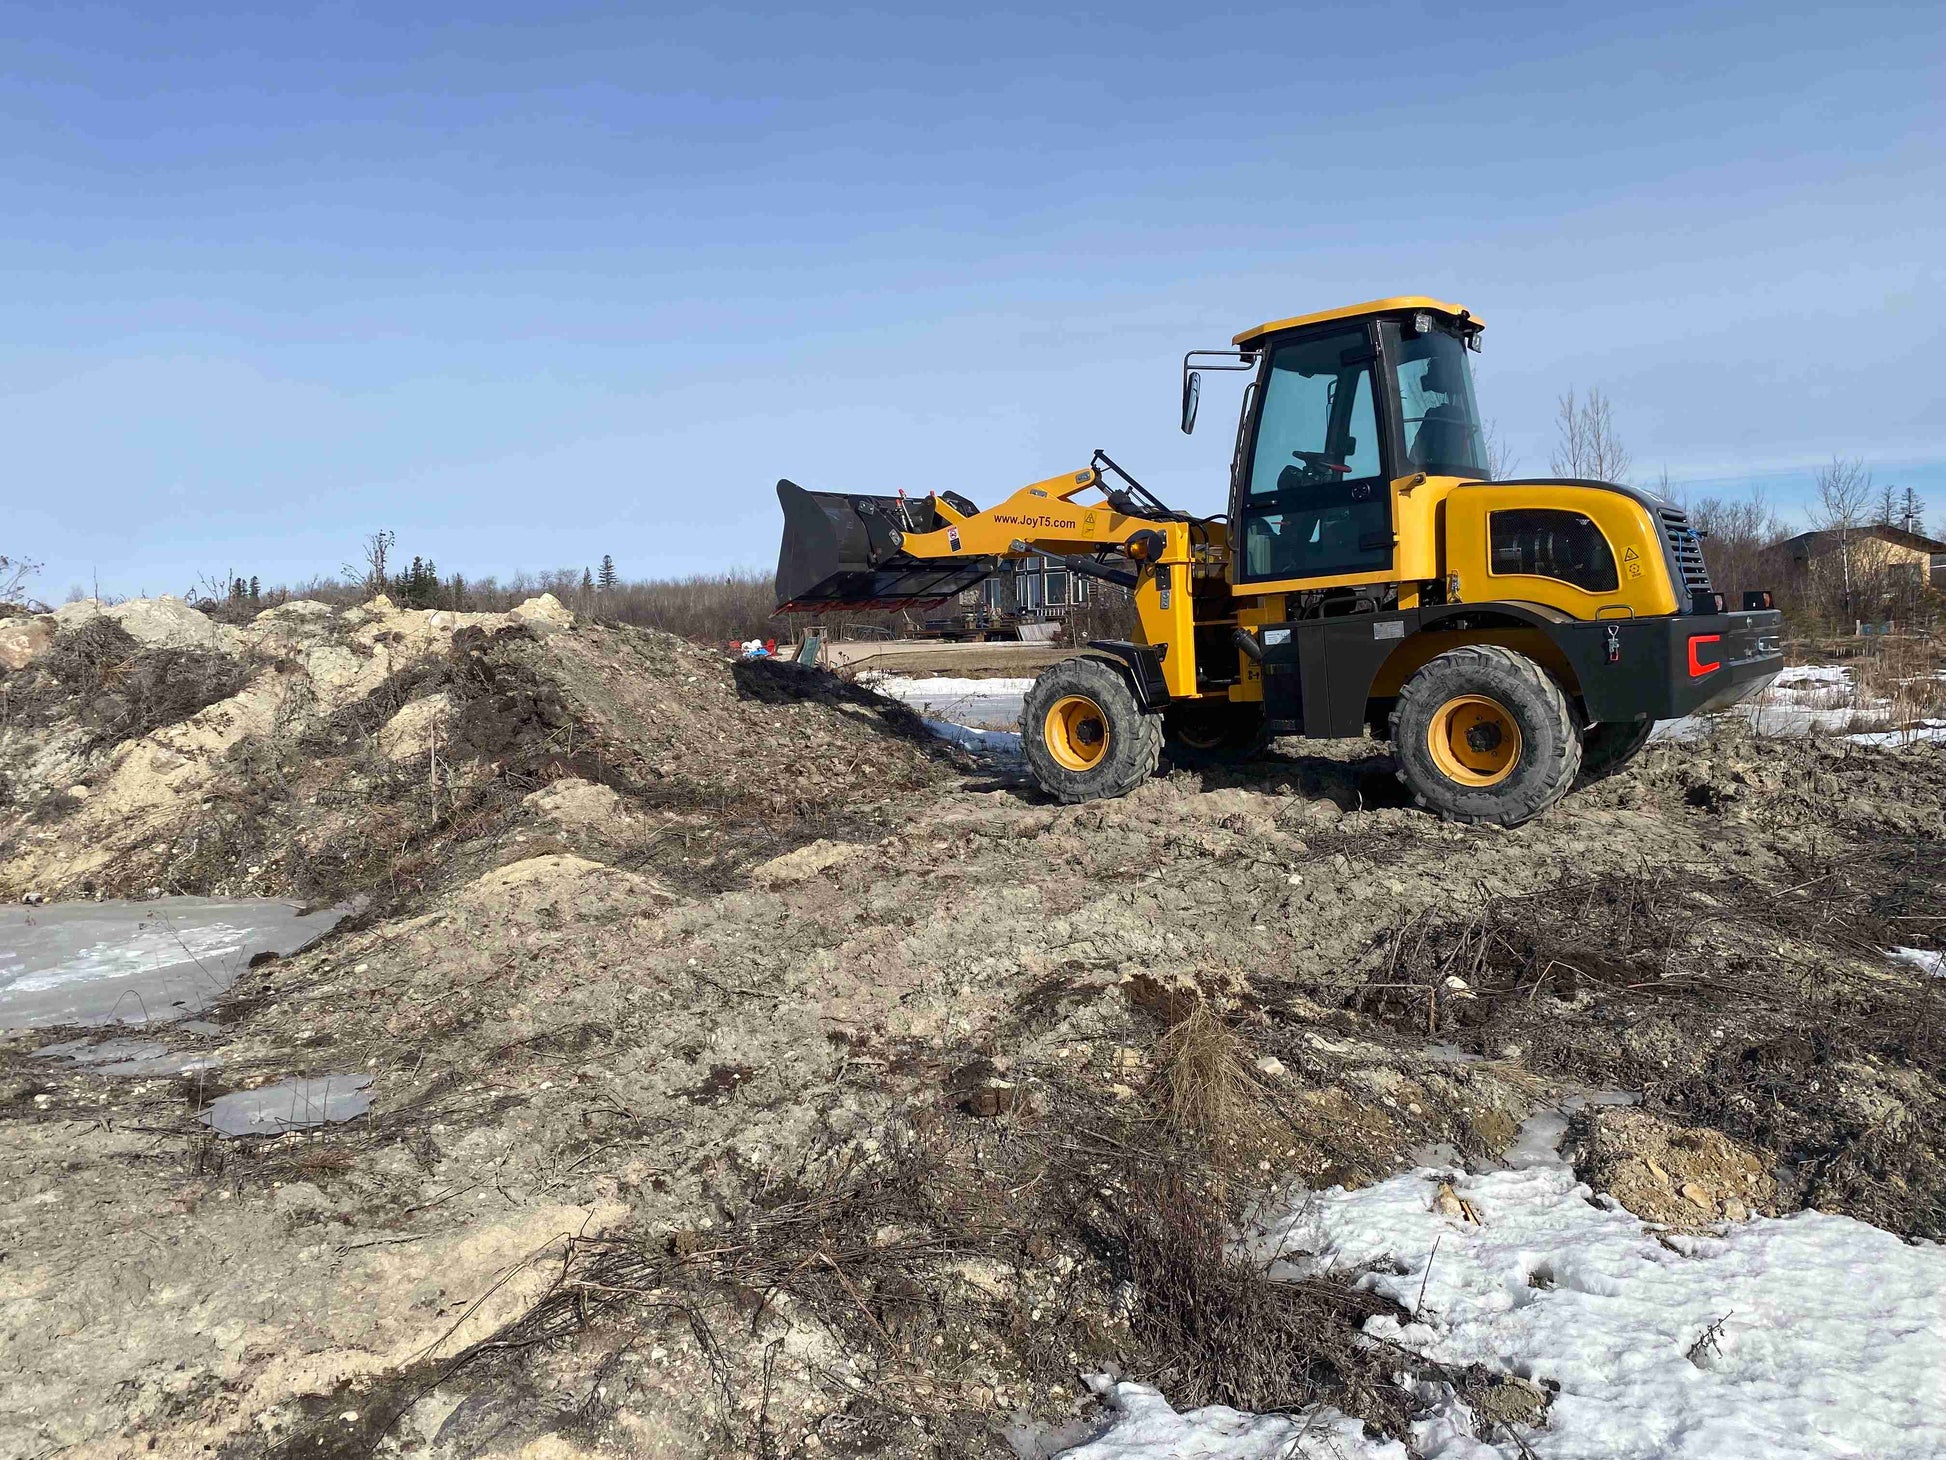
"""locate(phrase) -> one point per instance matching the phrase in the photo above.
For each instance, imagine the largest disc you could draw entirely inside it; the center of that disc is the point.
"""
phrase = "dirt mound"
(1680, 1176)
(326, 754)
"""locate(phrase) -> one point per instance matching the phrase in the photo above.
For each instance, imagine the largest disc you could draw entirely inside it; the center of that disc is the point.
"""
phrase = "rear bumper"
(1665, 668)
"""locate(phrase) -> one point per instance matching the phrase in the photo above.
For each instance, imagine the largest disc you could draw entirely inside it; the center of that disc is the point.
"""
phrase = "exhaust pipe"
(842, 551)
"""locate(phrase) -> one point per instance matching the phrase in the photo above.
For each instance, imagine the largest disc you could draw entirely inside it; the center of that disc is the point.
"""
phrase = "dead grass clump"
(964, 1274)
(1906, 675)
(1208, 1325)
(363, 718)
(1207, 1086)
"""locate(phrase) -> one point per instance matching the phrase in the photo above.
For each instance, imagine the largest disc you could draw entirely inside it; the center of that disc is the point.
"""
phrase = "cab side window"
(1549, 543)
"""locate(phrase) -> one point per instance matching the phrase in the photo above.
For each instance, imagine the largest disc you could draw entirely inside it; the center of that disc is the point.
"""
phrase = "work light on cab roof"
(1512, 639)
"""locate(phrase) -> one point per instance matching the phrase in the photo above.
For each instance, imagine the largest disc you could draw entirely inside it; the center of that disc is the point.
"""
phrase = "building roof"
(1828, 539)
(1352, 311)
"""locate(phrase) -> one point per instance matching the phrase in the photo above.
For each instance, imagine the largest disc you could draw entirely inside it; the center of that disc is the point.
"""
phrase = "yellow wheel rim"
(1474, 741)
(1076, 731)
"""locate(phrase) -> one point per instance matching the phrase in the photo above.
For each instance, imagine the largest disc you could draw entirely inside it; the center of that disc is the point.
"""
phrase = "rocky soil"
(752, 1075)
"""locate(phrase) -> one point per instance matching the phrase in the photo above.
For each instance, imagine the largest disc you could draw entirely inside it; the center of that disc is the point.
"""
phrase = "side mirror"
(1192, 394)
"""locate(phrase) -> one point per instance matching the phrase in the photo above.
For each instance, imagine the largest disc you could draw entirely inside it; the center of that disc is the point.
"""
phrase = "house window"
(1057, 589)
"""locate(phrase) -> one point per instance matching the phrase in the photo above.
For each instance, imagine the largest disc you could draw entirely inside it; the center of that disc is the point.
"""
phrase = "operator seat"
(1445, 434)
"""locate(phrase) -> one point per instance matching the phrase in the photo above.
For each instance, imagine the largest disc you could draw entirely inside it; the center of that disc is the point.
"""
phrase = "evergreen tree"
(587, 582)
(417, 585)
(1888, 506)
(608, 579)
(1912, 511)
(256, 589)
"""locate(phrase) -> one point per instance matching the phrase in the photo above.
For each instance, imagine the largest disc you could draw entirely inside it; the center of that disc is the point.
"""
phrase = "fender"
(1322, 674)
(1141, 665)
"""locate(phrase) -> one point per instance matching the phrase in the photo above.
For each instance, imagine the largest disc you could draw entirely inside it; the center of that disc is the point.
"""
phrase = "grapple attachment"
(842, 551)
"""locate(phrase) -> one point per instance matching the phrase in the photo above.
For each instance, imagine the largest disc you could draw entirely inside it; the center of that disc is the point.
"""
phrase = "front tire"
(1485, 734)
(1085, 737)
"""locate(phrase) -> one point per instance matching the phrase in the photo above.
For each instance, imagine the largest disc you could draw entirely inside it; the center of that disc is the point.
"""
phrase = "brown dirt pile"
(328, 754)
(1679, 1176)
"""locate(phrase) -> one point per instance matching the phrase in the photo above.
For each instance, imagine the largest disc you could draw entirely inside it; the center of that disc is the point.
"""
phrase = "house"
(1878, 548)
(1029, 591)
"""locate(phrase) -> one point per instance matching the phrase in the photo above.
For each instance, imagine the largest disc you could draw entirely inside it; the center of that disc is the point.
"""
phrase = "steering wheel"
(1319, 467)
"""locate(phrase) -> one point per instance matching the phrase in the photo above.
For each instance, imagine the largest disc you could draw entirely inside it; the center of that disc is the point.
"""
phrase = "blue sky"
(528, 286)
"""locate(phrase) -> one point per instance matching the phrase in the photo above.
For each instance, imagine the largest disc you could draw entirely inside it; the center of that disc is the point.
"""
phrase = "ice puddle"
(1807, 1335)
(97, 963)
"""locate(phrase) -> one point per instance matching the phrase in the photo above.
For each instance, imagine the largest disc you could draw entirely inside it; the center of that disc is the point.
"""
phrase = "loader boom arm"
(1045, 519)
(846, 552)
(1040, 519)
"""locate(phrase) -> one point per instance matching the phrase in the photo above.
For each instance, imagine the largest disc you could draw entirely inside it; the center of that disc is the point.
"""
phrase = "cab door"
(1313, 501)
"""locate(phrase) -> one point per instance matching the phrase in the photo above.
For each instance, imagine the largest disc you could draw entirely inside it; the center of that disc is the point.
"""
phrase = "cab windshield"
(1441, 419)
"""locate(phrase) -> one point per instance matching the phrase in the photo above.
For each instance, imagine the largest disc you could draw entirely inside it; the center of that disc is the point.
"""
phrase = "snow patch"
(1921, 733)
(988, 704)
(1146, 1427)
(1923, 959)
(1806, 1335)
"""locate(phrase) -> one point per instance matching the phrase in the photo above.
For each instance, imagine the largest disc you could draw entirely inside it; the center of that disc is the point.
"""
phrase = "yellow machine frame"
(1429, 513)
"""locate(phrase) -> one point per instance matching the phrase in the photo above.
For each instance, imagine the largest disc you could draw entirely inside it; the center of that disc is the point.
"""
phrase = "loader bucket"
(839, 552)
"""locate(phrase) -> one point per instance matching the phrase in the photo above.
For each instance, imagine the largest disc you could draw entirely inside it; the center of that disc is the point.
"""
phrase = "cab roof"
(1354, 311)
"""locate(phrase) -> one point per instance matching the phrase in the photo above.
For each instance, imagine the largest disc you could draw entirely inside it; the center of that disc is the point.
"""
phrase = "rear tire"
(1608, 748)
(1484, 734)
(1085, 737)
(1211, 732)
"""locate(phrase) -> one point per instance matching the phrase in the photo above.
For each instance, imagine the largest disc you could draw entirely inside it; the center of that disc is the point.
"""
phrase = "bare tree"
(371, 575)
(1586, 443)
(1741, 536)
(14, 573)
(1844, 496)
(1501, 461)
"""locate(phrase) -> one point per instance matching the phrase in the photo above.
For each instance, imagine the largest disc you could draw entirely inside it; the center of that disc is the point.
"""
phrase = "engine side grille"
(1688, 551)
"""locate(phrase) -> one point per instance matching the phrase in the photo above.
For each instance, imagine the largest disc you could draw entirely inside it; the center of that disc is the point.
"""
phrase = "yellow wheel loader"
(1510, 638)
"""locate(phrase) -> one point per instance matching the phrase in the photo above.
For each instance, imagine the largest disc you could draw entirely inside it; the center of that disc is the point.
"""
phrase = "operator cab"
(1343, 405)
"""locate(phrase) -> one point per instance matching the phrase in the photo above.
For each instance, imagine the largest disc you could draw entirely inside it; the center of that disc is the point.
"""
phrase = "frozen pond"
(92, 963)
